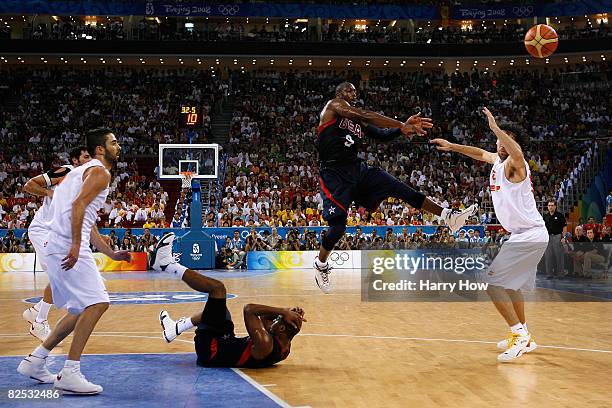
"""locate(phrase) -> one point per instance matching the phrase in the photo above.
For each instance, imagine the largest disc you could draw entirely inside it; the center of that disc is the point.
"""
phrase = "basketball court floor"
(350, 353)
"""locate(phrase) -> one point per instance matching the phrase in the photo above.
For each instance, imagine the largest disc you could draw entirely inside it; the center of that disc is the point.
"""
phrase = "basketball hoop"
(186, 177)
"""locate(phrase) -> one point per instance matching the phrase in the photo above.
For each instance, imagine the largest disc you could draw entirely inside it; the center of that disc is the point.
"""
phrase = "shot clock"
(190, 115)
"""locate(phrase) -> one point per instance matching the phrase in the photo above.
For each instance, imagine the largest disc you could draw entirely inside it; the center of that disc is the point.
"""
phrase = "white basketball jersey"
(43, 214)
(60, 222)
(514, 203)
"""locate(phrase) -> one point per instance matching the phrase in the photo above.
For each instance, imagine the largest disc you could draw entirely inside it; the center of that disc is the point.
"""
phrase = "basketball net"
(186, 177)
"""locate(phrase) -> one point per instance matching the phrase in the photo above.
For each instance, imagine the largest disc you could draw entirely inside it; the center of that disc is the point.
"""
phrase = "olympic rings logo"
(522, 11)
(339, 258)
(228, 10)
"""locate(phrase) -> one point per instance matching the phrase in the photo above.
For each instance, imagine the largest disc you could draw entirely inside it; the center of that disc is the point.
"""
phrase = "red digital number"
(192, 118)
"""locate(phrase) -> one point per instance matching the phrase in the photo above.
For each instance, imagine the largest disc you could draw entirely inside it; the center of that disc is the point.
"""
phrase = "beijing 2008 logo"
(228, 10)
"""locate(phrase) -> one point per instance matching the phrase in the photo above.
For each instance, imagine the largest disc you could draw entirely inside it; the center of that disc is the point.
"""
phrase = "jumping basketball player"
(514, 269)
(270, 329)
(43, 186)
(75, 280)
(345, 178)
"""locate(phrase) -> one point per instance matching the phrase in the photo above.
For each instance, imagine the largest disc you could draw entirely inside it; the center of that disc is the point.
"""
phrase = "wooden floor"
(355, 354)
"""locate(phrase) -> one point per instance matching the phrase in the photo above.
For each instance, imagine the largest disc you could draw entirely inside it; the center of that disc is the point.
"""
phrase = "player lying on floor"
(270, 329)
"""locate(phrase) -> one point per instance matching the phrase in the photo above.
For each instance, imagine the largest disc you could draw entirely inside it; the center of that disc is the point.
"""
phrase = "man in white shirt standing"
(514, 268)
(44, 185)
(75, 280)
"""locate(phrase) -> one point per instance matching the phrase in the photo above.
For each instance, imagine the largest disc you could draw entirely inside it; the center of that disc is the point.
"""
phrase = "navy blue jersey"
(339, 141)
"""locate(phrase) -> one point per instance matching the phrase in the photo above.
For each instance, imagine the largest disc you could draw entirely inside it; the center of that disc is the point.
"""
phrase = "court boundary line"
(354, 336)
(261, 388)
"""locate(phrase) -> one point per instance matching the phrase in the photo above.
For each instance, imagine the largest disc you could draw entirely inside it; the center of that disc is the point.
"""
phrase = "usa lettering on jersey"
(354, 128)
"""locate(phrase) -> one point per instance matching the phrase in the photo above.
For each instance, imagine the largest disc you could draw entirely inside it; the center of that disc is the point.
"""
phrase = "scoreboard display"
(190, 115)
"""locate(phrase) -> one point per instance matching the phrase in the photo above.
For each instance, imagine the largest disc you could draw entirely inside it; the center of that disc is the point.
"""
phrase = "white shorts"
(38, 238)
(79, 287)
(516, 264)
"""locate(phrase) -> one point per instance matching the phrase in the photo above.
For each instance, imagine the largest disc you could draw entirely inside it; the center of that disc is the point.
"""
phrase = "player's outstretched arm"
(512, 147)
(39, 185)
(344, 109)
(470, 151)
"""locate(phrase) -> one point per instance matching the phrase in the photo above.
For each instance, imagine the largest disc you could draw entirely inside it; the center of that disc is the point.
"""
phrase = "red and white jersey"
(43, 214)
(60, 222)
(514, 203)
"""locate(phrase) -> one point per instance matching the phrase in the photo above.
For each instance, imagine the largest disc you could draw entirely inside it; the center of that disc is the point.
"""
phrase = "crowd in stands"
(481, 34)
(52, 108)
(272, 169)
(272, 165)
(221, 30)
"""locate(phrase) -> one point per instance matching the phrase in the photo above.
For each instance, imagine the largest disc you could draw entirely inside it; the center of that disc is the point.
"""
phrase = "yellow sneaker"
(503, 345)
(516, 348)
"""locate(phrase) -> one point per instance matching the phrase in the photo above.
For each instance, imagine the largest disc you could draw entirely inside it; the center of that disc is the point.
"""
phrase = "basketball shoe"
(503, 345)
(162, 255)
(322, 276)
(36, 369)
(30, 314)
(170, 328)
(455, 219)
(40, 330)
(71, 381)
(516, 348)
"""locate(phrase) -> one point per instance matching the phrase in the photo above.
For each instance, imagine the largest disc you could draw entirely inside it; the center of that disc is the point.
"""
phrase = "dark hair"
(95, 138)
(76, 152)
(341, 87)
(519, 134)
(552, 201)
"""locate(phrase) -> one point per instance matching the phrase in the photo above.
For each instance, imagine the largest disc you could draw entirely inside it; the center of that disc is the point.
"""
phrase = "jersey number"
(349, 141)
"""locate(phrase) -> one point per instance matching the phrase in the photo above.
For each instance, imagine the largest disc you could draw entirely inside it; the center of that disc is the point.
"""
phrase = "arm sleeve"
(53, 174)
(382, 134)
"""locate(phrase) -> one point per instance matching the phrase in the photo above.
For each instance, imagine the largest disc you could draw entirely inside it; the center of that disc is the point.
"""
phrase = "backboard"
(201, 159)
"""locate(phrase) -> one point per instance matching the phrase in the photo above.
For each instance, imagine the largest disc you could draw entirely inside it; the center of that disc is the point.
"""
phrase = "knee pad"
(335, 231)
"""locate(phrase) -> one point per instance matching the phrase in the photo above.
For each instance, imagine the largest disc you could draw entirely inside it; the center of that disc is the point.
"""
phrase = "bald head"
(346, 91)
(343, 87)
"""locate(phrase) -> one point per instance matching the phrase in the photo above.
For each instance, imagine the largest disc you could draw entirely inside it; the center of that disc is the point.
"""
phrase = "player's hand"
(72, 257)
(490, 118)
(122, 256)
(419, 124)
(293, 318)
(298, 310)
(442, 144)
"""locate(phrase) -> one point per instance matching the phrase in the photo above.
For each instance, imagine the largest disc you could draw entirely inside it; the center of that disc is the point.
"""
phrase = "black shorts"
(216, 322)
(357, 182)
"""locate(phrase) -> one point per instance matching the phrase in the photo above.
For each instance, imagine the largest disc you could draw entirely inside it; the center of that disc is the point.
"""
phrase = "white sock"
(72, 364)
(525, 327)
(43, 311)
(41, 352)
(518, 329)
(184, 324)
(319, 263)
(176, 269)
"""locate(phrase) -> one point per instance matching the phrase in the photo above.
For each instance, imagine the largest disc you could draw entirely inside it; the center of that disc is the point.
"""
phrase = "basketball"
(541, 40)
